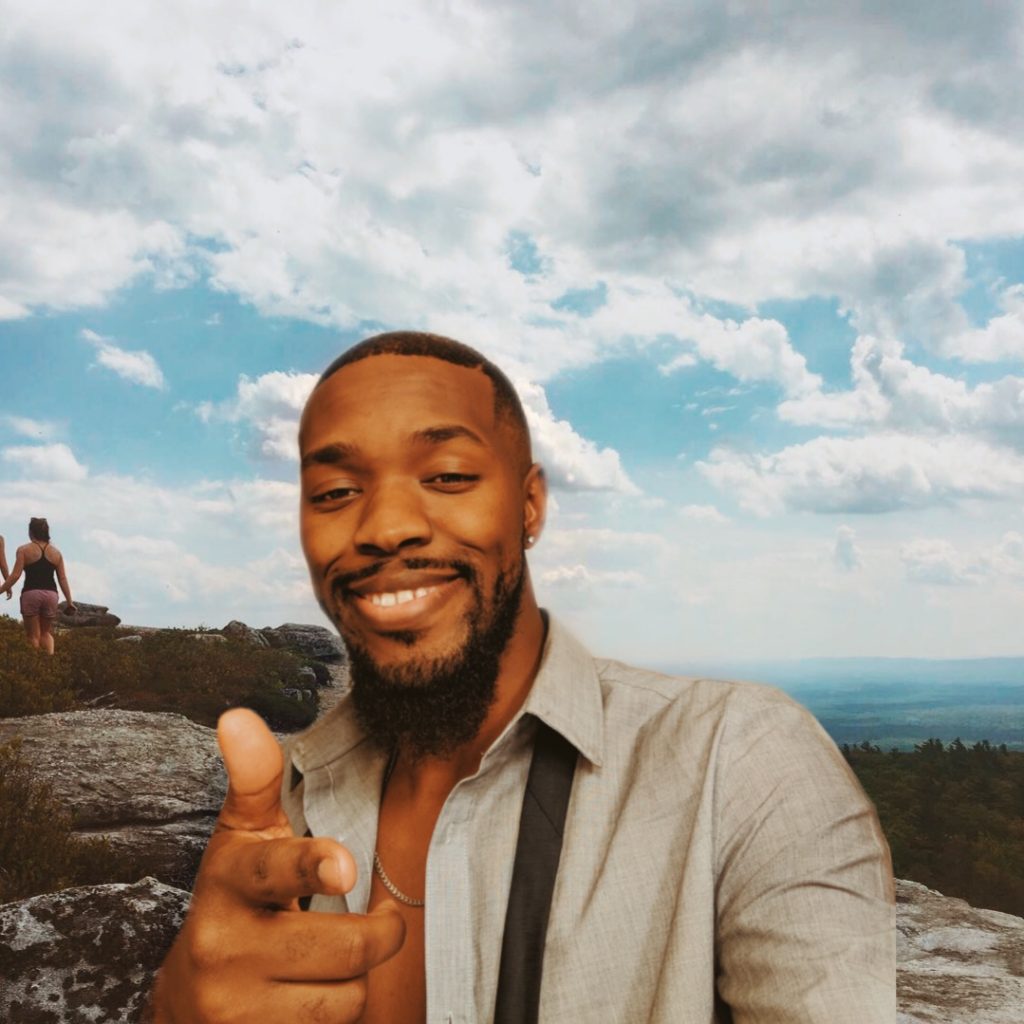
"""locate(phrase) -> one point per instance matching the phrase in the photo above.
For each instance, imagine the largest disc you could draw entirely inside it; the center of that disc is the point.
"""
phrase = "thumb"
(255, 767)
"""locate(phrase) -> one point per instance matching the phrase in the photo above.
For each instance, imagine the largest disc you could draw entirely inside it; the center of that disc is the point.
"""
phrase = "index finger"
(275, 872)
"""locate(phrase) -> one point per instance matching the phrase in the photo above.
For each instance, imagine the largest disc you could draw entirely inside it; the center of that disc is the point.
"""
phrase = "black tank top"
(40, 574)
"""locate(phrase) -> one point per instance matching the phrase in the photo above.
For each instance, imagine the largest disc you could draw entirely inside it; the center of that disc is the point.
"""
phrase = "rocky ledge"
(958, 964)
(151, 783)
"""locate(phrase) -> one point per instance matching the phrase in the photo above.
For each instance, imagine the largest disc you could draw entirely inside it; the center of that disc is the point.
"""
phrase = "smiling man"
(495, 825)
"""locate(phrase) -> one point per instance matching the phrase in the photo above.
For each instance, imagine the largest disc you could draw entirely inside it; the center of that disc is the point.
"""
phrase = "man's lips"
(399, 598)
(405, 608)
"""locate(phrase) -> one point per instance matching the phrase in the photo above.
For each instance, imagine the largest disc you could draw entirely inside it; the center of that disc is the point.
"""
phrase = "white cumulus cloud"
(879, 473)
(572, 462)
(846, 555)
(580, 576)
(40, 430)
(268, 407)
(136, 367)
(939, 562)
(45, 462)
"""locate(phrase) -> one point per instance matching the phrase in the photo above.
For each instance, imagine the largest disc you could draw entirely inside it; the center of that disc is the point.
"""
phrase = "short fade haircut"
(507, 406)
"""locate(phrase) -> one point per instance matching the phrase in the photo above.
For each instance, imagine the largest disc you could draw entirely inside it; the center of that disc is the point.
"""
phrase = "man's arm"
(246, 952)
(806, 918)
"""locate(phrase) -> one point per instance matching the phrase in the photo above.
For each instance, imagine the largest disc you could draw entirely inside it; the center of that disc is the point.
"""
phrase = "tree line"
(953, 815)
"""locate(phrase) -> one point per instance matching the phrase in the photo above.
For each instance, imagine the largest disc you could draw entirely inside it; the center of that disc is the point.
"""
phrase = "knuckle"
(204, 945)
(213, 1005)
(354, 950)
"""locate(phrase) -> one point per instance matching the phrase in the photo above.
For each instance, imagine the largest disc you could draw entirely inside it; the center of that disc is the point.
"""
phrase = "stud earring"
(530, 540)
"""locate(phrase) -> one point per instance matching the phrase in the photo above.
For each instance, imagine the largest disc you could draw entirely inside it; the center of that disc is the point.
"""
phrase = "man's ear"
(535, 503)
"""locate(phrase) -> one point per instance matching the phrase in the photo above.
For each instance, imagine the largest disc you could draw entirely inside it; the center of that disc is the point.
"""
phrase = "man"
(718, 861)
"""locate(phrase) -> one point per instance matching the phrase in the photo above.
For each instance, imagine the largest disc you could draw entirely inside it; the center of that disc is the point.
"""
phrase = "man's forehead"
(417, 391)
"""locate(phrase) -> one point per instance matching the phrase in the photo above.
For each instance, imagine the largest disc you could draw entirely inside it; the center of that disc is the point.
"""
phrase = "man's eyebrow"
(330, 455)
(447, 432)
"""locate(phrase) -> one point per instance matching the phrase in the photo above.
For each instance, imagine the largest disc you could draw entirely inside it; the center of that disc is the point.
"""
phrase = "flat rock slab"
(957, 964)
(113, 768)
(150, 783)
(85, 955)
(85, 615)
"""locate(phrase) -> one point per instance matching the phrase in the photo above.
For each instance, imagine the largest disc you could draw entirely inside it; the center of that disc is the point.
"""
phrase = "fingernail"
(329, 872)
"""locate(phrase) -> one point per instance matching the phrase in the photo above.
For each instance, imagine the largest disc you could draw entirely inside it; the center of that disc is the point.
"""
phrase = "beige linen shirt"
(719, 856)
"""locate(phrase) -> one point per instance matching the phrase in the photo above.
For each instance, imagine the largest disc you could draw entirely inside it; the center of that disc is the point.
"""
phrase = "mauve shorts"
(39, 602)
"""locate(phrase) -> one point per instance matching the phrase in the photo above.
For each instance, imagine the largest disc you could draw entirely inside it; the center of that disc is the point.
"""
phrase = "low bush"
(38, 851)
(167, 670)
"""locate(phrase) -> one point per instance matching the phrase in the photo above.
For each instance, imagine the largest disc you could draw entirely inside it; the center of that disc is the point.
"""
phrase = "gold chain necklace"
(377, 866)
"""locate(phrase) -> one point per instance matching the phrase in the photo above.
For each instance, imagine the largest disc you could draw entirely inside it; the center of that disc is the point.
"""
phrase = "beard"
(429, 707)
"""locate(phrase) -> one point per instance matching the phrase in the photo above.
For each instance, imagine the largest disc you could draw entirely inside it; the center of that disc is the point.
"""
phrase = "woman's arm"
(62, 579)
(8, 583)
(4, 568)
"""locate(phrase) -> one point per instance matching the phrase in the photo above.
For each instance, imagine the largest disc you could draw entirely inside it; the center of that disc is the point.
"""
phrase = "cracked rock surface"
(87, 954)
(957, 964)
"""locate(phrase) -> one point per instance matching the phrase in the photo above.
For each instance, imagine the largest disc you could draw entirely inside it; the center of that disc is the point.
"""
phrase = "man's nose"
(393, 519)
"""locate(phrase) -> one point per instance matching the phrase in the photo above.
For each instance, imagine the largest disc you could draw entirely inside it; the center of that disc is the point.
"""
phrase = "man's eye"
(334, 494)
(452, 480)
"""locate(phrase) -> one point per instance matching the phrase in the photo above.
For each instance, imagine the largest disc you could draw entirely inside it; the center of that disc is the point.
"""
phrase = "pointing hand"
(246, 952)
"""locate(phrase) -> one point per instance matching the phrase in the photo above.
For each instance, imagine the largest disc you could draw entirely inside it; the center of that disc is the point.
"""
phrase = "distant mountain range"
(896, 702)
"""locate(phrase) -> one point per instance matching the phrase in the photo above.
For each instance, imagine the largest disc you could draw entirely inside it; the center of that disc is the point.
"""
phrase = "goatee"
(430, 707)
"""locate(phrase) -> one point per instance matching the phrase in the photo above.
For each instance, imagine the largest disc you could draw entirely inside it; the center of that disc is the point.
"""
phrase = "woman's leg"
(46, 634)
(32, 629)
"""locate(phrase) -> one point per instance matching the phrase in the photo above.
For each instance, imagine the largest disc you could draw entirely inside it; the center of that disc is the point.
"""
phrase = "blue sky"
(760, 281)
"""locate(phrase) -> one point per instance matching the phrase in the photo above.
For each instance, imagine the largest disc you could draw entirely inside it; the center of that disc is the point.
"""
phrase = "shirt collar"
(566, 695)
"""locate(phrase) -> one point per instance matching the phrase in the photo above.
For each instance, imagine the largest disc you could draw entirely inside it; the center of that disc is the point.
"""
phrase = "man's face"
(413, 510)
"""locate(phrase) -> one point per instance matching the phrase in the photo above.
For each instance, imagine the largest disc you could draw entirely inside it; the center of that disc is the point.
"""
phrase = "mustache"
(345, 580)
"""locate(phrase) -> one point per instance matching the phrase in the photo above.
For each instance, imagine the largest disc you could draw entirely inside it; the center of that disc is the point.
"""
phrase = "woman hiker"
(41, 563)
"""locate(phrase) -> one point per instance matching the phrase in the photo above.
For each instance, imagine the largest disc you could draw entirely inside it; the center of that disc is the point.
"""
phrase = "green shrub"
(38, 852)
(167, 670)
(30, 684)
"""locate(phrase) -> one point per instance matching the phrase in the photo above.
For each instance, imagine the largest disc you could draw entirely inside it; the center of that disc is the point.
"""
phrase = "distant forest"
(953, 815)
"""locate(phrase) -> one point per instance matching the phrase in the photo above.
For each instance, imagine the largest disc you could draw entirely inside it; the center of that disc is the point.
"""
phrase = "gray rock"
(312, 641)
(322, 673)
(210, 638)
(151, 782)
(129, 639)
(85, 615)
(86, 955)
(240, 631)
(957, 964)
(307, 677)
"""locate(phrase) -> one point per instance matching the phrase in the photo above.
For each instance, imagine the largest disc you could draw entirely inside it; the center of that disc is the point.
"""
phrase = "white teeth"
(389, 600)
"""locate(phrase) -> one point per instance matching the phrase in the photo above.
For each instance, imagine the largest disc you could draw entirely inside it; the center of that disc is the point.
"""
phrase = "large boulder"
(240, 631)
(86, 955)
(957, 964)
(150, 783)
(85, 615)
(310, 641)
